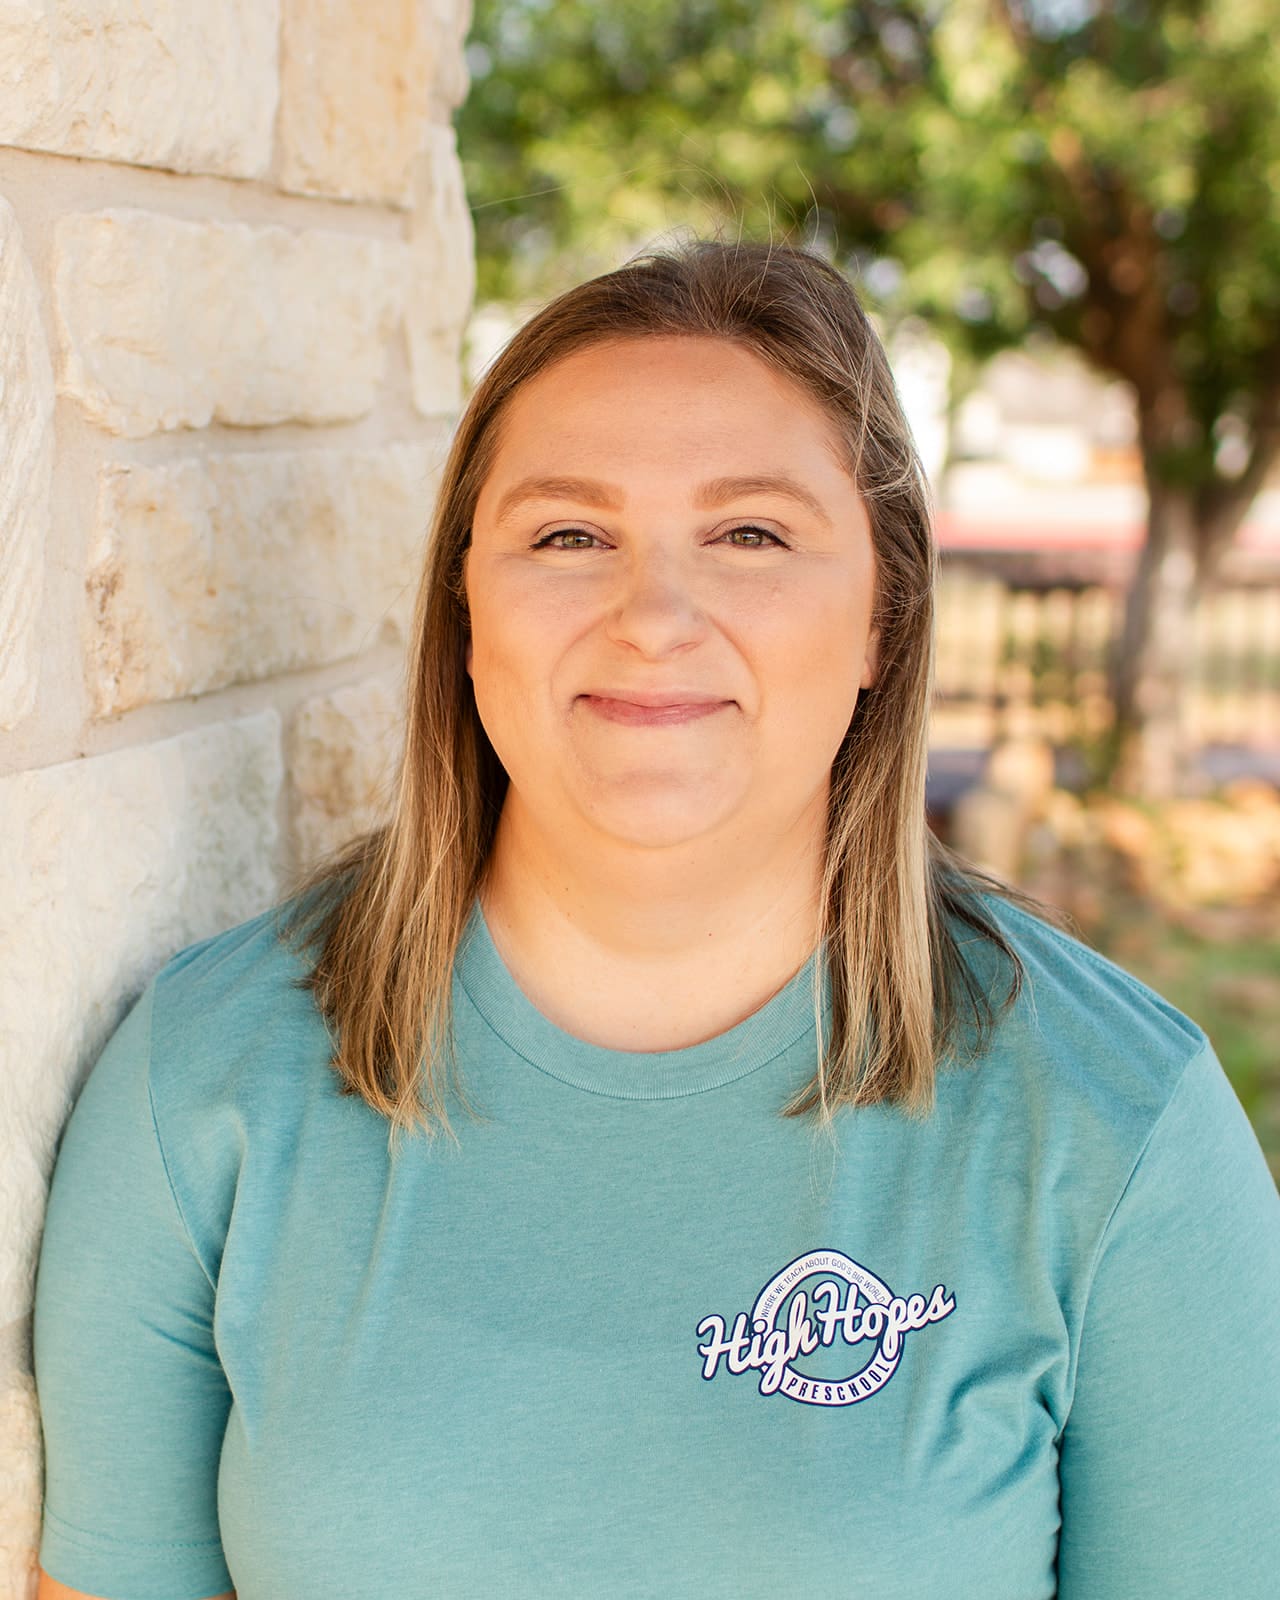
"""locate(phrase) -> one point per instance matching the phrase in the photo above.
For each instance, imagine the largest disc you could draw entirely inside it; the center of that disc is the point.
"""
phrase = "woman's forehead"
(625, 360)
(672, 397)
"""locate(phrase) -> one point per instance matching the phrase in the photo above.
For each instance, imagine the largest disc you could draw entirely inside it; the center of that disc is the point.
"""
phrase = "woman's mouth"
(635, 714)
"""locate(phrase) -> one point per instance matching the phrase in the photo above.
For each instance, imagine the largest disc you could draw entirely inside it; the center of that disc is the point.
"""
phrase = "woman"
(813, 1216)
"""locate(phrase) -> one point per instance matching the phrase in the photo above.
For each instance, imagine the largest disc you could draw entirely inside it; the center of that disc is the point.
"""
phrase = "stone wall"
(235, 264)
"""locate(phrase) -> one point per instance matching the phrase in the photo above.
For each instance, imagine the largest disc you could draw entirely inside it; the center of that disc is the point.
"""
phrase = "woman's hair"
(383, 919)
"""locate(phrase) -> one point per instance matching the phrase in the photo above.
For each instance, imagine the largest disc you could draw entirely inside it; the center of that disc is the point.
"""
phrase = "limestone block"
(442, 276)
(191, 88)
(21, 1459)
(169, 324)
(26, 467)
(354, 97)
(110, 865)
(450, 22)
(342, 754)
(220, 569)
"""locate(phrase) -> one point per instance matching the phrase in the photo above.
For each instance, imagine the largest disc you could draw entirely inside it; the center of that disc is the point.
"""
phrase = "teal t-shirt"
(640, 1336)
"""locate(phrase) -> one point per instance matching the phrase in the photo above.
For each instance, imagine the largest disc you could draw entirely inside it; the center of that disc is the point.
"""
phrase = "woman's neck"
(651, 949)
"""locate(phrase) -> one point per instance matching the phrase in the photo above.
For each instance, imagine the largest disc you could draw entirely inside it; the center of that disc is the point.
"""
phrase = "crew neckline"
(630, 1074)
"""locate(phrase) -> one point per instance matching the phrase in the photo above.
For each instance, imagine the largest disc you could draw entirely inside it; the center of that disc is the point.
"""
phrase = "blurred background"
(1064, 218)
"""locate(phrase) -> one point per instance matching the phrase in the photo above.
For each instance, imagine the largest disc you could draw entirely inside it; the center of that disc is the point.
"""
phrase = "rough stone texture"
(342, 756)
(354, 98)
(188, 87)
(449, 22)
(170, 324)
(203, 569)
(192, 842)
(442, 276)
(218, 569)
(20, 1464)
(26, 467)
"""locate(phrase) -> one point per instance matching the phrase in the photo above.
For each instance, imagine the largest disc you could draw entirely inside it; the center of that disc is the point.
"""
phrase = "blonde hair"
(383, 919)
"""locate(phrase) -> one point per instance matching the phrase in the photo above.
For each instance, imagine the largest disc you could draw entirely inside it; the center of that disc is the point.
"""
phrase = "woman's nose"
(656, 609)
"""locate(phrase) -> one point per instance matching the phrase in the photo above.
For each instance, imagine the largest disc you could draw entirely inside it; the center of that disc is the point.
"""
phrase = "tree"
(1105, 170)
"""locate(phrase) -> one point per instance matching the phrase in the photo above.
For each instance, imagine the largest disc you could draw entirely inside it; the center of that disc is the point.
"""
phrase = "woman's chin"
(661, 821)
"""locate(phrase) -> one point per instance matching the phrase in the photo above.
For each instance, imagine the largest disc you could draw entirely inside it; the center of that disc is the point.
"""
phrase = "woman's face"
(670, 582)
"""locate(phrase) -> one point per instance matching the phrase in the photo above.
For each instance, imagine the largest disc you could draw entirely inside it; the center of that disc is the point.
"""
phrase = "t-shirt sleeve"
(133, 1399)
(1170, 1458)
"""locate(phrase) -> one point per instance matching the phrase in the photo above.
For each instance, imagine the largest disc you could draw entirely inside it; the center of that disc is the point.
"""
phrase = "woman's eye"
(757, 537)
(579, 539)
(753, 538)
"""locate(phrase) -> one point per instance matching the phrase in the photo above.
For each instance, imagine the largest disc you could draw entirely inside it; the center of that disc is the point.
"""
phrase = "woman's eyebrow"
(718, 490)
(715, 492)
(587, 491)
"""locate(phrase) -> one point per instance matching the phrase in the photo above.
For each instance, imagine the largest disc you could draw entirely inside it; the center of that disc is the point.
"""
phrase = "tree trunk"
(1150, 751)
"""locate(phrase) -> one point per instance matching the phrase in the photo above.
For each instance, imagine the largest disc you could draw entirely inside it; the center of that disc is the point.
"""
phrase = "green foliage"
(1105, 170)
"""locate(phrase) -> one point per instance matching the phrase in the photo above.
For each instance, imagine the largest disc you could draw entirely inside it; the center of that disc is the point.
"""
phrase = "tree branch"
(1223, 504)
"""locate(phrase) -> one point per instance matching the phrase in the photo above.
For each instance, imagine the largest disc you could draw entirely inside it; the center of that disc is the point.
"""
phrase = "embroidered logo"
(850, 1304)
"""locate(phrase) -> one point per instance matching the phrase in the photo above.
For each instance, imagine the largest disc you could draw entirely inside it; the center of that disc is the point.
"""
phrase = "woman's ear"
(871, 662)
(462, 595)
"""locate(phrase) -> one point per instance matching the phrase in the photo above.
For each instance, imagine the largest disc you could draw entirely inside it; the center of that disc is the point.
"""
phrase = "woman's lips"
(627, 711)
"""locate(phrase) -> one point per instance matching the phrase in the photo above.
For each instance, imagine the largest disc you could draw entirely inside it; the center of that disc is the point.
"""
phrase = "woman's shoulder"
(232, 1012)
(218, 1057)
(234, 965)
(1072, 979)
(1083, 1029)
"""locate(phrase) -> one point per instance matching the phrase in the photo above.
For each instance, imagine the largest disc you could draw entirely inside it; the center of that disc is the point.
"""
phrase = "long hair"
(382, 919)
